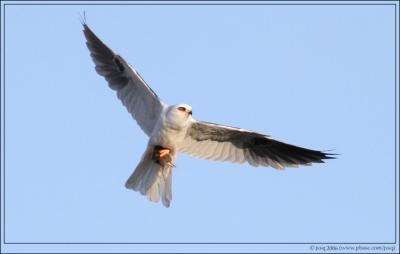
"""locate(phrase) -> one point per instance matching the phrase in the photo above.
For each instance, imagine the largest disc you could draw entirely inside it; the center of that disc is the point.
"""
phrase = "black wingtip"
(83, 19)
(328, 156)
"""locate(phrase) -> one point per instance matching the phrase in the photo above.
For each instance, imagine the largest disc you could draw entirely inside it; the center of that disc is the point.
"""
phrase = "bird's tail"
(152, 179)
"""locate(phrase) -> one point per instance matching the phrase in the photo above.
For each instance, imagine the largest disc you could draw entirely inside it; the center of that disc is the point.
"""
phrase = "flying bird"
(172, 129)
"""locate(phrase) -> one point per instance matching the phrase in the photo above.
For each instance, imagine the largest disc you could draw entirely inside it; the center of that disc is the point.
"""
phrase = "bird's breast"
(167, 137)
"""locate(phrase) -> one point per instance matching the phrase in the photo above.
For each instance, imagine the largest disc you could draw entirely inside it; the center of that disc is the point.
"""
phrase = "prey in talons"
(162, 156)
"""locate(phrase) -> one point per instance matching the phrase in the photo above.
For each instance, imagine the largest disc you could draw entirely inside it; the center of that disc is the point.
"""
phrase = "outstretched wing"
(140, 100)
(218, 142)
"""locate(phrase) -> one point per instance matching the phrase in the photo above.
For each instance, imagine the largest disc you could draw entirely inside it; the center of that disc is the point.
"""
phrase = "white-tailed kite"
(172, 129)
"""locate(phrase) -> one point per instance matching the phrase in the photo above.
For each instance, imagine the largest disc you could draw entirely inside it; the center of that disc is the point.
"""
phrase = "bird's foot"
(164, 152)
(162, 156)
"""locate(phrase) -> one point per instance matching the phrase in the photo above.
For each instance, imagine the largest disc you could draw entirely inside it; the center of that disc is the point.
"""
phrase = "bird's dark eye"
(182, 109)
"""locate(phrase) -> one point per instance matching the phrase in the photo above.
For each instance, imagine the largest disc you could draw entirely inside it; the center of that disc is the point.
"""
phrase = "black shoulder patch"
(118, 63)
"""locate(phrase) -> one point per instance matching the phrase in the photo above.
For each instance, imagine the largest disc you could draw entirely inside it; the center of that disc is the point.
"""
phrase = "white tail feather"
(152, 180)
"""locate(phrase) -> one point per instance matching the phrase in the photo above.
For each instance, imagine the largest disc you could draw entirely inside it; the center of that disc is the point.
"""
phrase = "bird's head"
(183, 109)
(179, 114)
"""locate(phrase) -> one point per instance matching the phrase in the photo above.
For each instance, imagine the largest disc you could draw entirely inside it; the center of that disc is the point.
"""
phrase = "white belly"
(167, 137)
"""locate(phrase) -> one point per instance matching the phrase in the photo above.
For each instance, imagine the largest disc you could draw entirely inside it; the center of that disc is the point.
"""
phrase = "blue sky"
(321, 77)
